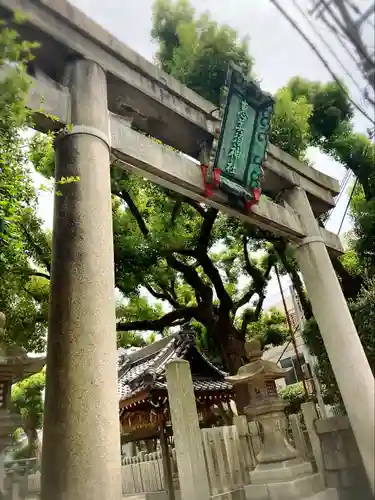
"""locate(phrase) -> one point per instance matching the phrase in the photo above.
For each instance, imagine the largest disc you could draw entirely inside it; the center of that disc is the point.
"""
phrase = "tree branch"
(39, 250)
(170, 319)
(214, 275)
(196, 205)
(244, 299)
(280, 248)
(39, 275)
(201, 255)
(175, 210)
(203, 292)
(206, 228)
(261, 297)
(164, 295)
(125, 196)
(255, 273)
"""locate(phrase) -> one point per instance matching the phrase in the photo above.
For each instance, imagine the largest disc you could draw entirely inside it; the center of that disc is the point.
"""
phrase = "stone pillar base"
(309, 487)
(280, 471)
(230, 495)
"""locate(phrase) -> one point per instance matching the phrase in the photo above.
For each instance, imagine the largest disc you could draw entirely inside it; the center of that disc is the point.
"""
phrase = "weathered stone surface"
(81, 435)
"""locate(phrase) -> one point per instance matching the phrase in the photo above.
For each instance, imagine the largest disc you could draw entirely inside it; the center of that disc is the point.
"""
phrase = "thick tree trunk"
(232, 344)
(33, 441)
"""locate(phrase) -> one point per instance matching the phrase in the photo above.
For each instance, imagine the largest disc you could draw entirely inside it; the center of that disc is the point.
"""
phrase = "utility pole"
(309, 358)
(347, 21)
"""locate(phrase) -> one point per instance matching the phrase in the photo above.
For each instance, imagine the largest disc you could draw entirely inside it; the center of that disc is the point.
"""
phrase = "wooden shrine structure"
(144, 409)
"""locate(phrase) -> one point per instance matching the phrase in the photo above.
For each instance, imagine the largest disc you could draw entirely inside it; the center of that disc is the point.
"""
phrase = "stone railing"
(343, 466)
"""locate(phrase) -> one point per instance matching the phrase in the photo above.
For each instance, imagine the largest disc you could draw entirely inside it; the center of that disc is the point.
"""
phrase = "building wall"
(286, 351)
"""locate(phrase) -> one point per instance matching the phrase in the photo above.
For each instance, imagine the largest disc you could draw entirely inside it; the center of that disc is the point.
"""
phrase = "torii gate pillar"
(81, 438)
(344, 348)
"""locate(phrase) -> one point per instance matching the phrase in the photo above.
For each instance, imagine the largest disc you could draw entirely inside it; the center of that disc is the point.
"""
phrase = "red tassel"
(256, 193)
(209, 187)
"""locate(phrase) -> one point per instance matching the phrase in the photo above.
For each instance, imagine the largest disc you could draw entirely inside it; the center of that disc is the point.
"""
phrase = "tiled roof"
(145, 369)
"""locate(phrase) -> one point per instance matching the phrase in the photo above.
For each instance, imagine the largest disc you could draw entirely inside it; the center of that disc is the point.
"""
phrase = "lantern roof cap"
(257, 369)
(15, 363)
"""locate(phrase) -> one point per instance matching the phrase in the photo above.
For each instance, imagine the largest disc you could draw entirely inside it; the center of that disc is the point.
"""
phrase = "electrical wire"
(339, 37)
(322, 59)
(344, 183)
(363, 16)
(347, 205)
(316, 31)
(352, 34)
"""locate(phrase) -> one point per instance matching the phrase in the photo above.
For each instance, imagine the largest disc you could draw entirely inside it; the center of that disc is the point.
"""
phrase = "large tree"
(27, 400)
(22, 298)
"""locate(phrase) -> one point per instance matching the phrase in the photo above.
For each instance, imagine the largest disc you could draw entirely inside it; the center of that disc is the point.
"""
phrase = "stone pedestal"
(280, 474)
(276, 447)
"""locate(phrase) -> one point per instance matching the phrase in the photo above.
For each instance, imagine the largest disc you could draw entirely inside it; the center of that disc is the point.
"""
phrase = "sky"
(278, 50)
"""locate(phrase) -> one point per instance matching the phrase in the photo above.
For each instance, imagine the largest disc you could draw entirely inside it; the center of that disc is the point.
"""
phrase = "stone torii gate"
(87, 79)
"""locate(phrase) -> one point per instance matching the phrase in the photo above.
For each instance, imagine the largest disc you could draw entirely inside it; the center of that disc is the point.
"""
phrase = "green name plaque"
(242, 144)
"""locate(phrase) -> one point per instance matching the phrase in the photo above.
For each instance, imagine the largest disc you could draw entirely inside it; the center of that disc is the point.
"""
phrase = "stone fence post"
(310, 415)
(191, 463)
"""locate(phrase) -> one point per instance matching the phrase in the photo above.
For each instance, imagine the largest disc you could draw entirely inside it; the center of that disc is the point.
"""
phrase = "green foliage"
(137, 308)
(290, 128)
(294, 395)
(196, 50)
(332, 131)
(357, 152)
(20, 229)
(351, 262)
(362, 212)
(363, 311)
(269, 329)
(330, 106)
(27, 399)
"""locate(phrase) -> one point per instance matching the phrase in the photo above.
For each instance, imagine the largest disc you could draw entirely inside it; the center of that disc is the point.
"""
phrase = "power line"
(350, 29)
(348, 205)
(316, 31)
(344, 183)
(342, 42)
(322, 59)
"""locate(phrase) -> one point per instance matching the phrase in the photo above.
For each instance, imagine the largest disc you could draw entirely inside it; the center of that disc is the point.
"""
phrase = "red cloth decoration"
(209, 187)
(256, 192)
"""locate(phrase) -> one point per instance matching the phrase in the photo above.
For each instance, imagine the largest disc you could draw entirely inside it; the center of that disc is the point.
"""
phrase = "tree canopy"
(27, 400)
(21, 297)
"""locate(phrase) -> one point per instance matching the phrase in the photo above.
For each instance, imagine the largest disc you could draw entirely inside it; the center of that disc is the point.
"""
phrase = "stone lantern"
(280, 474)
(15, 365)
(265, 405)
